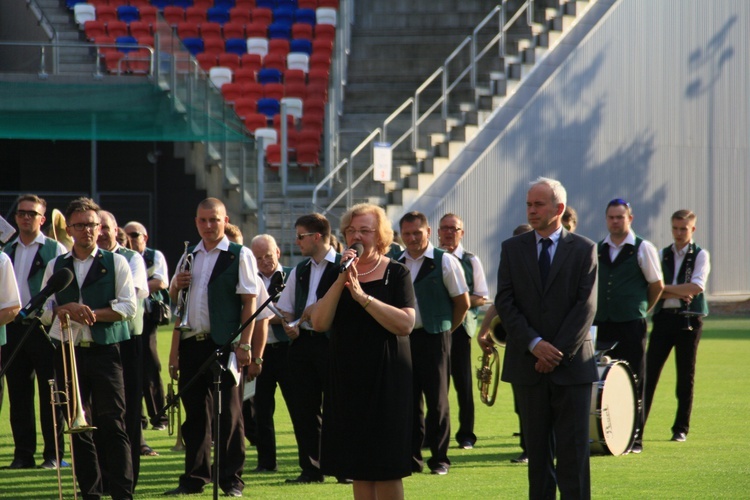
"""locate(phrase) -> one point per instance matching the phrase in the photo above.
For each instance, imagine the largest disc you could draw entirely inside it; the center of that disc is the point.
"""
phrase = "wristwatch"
(258, 361)
(245, 347)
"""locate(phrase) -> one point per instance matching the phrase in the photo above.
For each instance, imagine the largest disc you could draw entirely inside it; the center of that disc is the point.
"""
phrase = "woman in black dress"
(367, 410)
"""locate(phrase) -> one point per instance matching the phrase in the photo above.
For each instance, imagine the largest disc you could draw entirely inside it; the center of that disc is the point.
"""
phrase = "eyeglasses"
(300, 237)
(364, 232)
(82, 226)
(450, 229)
(134, 235)
(618, 202)
(27, 214)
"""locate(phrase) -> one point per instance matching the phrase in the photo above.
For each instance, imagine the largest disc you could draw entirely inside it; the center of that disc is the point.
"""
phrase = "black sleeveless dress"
(367, 412)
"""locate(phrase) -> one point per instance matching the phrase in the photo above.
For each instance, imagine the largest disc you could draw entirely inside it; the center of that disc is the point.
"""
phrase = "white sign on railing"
(382, 156)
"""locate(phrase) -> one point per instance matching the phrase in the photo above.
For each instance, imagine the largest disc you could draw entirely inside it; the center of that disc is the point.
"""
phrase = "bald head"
(108, 234)
(137, 235)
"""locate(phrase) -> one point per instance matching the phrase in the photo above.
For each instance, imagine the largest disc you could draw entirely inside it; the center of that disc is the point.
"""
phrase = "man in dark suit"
(546, 300)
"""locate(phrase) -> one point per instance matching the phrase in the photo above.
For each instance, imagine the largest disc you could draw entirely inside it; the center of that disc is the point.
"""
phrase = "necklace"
(371, 270)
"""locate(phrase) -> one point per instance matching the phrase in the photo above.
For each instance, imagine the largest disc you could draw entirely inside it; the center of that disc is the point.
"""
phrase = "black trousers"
(132, 369)
(670, 332)
(102, 392)
(631, 347)
(463, 383)
(197, 429)
(430, 355)
(275, 373)
(307, 358)
(153, 388)
(556, 430)
(35, 358)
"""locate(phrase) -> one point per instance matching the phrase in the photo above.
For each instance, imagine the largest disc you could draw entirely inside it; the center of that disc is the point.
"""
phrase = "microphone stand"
(217, 368)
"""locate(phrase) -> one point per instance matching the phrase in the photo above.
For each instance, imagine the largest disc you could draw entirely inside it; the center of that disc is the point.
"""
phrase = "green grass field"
(713, 463)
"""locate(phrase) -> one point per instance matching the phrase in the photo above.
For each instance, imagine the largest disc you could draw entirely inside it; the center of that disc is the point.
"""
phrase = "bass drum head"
(612, 423)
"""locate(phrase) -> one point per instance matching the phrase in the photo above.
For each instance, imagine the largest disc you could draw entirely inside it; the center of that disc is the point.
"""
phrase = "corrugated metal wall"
(652, 106)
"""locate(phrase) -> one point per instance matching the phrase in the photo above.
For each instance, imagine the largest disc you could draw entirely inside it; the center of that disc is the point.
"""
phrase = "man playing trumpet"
(221, 290)
(99, 303)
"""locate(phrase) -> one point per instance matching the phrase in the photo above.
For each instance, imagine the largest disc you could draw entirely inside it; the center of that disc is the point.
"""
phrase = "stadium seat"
(206, 61)
(252, 90)
(315, 105)
(320, 61)
(183, 3)
(114, 63)
(312, 122)
(71, 4)
(245, 4)
(139, 4)
(295, 89)
(210, 29)
(218, 15)
(301, 45)
(284, 15)
(289, 124)
(268, 75)
(294, 76)
(256, 30)
(246, 106)
(325, 15)
(268, 107)
(203, 4)
(94, 29)
(308, 156)
(146, 40)
(106, 13)
(148, 14)
(126, 43)
(276, 61)
(161, 4)
(254, 121)
(239, 15)
(333, 4)
(292, 4)
(317, 89)
(236, 46)
(273, 156)
(309, 136)
(195, 14)
(298, 60)
(234, 30)
(139, 62)
(306, 16)
(273, 91)
(97, 3)
(294, 106)
(214, 45)
(278, 46)
(174, 15)
(105, 44)
(302, 31)
(140, 28)
(279, 30)
(231, 91)
(262, 15)
(267, 135)
(229, 60)
(117, 28)
(193, 45)
(220, 75)
(251, 61)
(188, 29)
(323, 46)
(82, 13)
(245, 74)
(307, 4)
(266, 4)
(128, 14)
(325, 31)
(225, 4)
(257, 45)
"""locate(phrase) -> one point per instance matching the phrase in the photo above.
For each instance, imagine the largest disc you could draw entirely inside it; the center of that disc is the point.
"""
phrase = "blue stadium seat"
(269, 107)
(269, 75)
(160, 4)
(182, 3)
(72, 3)
(193, 45)
(227, 4)
(280, 30)
(287, 3)
(305, 16)
(236, 46)
(283, 15)
(301, 45)
(268, 4)
(218, 15)
(128, 13)
(126, 43)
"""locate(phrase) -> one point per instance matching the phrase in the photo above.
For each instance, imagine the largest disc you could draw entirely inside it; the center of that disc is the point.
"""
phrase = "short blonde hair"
(383, 226)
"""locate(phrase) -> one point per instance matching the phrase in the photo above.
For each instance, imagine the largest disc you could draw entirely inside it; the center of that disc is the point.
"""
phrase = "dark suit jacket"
(561, 312)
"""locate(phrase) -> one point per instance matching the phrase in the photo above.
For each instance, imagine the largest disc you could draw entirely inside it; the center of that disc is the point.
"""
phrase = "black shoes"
(637, 448)
(263, 470)
(181, 490)
(466, 445)
(344, 480)
(18, 463)
(305, 479)
(52, 464)
(680, 437)
(520, 459)
(233, 492)
(440, 470)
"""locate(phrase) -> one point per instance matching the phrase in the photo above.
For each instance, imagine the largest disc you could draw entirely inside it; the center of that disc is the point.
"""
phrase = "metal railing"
(412, 104)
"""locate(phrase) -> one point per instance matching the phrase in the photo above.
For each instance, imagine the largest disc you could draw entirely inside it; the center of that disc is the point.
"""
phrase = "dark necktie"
(544, 260)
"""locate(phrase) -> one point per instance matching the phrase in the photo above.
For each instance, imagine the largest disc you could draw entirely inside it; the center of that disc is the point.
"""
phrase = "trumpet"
(175, 417)
(182, 298)
(70, 397)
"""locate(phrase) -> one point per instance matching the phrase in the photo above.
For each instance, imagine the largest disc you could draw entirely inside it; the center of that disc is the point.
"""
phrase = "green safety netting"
(105, 111)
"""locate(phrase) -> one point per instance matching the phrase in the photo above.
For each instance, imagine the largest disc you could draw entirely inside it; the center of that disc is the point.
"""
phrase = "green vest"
(135, 324)
(698, 304)
(435, 304)
(303, 282)
(623, 291)
(98, 289)
(470, 320)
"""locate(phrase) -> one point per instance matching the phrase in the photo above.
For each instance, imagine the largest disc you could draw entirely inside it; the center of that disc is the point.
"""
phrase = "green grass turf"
(713, 463)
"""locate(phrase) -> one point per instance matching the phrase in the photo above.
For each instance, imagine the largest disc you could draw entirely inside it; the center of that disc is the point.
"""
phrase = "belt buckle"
(201, 337)
(85, 344)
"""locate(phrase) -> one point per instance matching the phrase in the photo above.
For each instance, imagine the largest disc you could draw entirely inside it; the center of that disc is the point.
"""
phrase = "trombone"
(70, 397)
(175, 417)
(182, 309)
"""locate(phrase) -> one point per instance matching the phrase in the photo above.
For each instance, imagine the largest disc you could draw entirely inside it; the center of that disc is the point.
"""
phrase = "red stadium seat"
(94, 29)
(289, 123)
(275, 61)
(273, 90)
(174, 15)
(245, 74)
(325, 31)
(245, 106)
(323, 46)
(229, 60)
(195, 14)
(214, 45)
(317, 89)
(295, 89)
(318, 76)
(114, 62)
(117, 28)
(308, 156)
(312, 123)
(307, 4)
(320, 61)
(103, 43)
(148, 14)
(240, 15)
(206, 60)
(294, 76)
(211, 30)
(254, 121)
(256, 30)
(251, 61)
(278, 45)
(231, 91)
(334, 4)
(262, 15)
(139, 61)
(204, 4)
(140, 28)
(309, 136)
(245, 4)
(106, 13)
(234, 30)
(302, 31)
(188, 29)
(252, 90)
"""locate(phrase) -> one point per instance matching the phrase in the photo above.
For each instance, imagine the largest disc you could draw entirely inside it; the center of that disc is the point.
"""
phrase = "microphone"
(56, 283)
(358, 248)
(276, 285)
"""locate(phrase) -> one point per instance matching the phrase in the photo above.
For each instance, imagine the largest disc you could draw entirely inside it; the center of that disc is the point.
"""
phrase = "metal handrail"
(482, 24)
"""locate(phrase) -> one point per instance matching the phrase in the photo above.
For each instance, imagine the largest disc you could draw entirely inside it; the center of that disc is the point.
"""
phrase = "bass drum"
(613, 409)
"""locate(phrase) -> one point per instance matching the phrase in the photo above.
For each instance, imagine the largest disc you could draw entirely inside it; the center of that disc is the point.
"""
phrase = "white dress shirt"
(159, 270)
(286, 301)
(648, 256)
(700, 271)
(9, 296)
(22, 260)
(480, 280)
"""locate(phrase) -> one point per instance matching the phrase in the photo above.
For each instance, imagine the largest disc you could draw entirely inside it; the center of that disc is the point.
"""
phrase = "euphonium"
(175, 417)
(488, 376)
(182, 298)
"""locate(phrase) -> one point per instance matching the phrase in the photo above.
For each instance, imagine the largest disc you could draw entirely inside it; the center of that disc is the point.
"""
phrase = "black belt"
(198, 338)
(276, 345)
(85, 344)
(671, 310)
